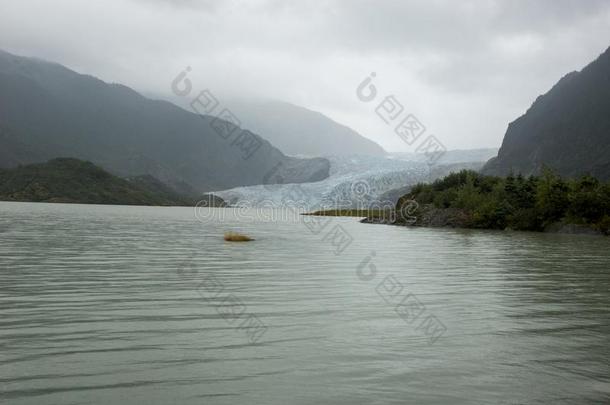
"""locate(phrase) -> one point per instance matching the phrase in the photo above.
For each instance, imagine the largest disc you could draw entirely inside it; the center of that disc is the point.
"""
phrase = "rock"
(566, 129)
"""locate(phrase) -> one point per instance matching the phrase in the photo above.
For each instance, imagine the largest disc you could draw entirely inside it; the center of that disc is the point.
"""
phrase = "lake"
(116, 304)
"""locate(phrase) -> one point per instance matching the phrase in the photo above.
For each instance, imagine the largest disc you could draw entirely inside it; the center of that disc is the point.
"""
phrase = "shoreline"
(557, 228)
(449, 219)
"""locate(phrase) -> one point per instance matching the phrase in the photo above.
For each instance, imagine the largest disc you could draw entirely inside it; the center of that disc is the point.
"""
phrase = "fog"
(465, 69)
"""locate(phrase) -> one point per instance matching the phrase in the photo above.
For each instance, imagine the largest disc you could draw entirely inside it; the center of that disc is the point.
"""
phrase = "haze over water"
(104, 304)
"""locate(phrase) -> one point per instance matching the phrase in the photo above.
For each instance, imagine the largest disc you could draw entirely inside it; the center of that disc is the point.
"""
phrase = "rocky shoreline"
(431, 217)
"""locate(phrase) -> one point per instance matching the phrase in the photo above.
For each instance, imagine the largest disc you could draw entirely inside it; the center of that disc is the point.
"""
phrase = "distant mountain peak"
(302, 131)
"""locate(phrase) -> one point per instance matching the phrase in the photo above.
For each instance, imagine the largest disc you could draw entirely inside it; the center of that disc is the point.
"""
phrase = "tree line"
(518, 202)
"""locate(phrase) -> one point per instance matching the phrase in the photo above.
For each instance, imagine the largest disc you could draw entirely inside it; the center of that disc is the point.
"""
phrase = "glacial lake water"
(148, 305)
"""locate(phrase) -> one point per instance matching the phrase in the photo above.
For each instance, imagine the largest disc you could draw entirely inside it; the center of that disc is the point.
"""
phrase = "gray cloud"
(465, 68)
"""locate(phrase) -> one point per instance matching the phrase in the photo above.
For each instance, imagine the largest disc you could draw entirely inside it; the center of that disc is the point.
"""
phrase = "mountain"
(47, 111)
(71, 180)
(566, 129)
(299, 131)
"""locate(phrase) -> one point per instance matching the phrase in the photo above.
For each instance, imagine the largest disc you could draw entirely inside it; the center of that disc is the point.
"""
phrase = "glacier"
(354, 182)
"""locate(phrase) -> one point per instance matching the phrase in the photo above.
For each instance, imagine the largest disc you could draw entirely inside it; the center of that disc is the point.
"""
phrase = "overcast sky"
(464, 68)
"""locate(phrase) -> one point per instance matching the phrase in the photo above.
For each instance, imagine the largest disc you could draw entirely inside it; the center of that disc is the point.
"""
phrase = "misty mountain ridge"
(299, 131)
(50, 111)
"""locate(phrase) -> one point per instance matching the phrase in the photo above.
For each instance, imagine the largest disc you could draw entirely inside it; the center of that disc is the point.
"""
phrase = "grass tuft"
(236, 237)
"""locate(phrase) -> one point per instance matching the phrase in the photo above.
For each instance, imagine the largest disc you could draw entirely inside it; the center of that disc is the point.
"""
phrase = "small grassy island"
(352, 212)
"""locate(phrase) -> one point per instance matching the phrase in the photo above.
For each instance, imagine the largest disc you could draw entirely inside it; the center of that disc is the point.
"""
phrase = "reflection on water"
(104, 304)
